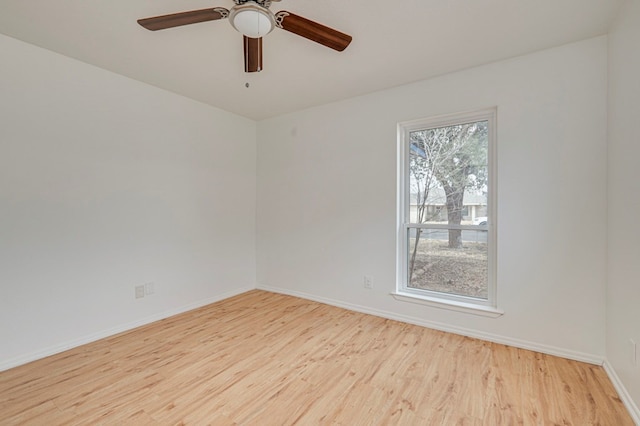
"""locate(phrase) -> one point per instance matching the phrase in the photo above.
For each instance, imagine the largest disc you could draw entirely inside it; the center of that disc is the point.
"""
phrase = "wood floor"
(267, 359)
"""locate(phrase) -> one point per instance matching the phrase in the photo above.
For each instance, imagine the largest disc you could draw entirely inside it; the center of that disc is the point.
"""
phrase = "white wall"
(107, 183)
(327, 197)
(623, 290)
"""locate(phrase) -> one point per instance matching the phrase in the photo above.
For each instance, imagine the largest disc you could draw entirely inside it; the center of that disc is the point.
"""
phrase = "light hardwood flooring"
(267, 359)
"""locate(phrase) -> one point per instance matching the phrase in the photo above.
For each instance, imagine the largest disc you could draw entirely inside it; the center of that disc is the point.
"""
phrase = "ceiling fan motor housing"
(263, 3)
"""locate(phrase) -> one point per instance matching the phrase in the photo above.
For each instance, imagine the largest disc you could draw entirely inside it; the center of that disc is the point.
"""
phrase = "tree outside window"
(446, 207)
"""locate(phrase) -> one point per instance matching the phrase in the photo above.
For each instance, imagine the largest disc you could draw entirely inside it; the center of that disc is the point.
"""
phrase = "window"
(446, 204)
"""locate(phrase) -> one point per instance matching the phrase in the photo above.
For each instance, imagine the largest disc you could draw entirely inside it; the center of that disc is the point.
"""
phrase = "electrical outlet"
(368, 282)
(139, 291)
(149, 288)
(634, 352)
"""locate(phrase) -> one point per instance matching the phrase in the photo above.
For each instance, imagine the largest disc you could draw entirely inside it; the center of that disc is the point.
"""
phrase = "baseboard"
(52, 350)
(634, 411)
(518, 343)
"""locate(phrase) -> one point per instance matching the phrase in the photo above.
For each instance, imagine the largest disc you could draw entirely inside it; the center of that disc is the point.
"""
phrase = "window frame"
(485, 307)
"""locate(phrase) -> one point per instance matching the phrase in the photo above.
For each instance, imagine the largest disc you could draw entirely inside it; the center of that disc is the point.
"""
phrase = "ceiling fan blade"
(183, 18)
(313, 31)
(252, 54)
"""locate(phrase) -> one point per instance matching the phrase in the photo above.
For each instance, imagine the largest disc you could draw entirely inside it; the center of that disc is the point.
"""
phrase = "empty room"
(260, 212)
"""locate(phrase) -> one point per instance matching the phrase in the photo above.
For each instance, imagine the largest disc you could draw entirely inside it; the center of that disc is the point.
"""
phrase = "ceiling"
(394, 42)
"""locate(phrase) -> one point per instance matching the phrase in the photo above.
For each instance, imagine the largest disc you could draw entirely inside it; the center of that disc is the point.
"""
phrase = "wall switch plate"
(368, 282)
(139, 291)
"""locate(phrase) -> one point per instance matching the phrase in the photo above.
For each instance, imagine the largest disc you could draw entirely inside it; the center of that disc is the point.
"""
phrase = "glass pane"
(448, 174)
(437, 261)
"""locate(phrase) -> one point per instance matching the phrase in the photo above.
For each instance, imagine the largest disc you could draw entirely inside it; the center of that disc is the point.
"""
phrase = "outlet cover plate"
(368, 282)
(139, 291)
(149, 288)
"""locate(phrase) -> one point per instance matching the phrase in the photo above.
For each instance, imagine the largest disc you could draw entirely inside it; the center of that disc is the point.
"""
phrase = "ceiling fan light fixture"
(252, 20)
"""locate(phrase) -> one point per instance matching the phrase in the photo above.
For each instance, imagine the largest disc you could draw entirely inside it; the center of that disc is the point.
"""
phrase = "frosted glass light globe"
(252, 20)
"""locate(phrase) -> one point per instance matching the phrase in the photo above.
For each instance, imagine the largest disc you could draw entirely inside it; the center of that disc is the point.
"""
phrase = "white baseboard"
(634, 411)
(52, 350)
(496, 338)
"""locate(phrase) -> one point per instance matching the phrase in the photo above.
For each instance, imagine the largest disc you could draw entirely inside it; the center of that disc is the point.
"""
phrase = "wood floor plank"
(268, 359)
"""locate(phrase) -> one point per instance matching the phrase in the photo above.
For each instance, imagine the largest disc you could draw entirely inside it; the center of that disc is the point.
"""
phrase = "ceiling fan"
(254, 20)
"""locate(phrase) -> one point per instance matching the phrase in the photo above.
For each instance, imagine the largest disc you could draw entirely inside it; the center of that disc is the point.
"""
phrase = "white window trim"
(452, 305)
(457, 303)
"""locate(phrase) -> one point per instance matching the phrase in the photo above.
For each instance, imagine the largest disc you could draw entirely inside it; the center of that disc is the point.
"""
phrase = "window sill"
(452, 305)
